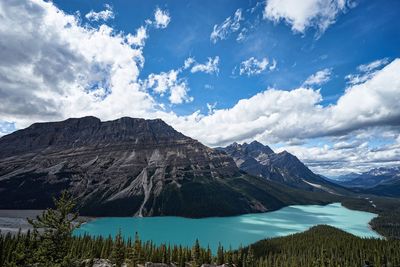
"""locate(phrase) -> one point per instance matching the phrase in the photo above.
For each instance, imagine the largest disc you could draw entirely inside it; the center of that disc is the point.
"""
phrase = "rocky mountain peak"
(260, 160)
(256, 146)
(89, 131)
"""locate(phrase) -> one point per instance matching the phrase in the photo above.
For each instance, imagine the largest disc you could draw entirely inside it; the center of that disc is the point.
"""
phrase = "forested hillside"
(388, 209)
(326, 246)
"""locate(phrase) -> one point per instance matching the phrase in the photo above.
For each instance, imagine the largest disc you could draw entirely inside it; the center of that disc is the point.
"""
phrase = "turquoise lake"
(236, 230)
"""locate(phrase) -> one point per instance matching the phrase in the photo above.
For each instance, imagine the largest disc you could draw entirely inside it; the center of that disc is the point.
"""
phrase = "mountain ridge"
(283, 167)
(383, 181)
(131, 167)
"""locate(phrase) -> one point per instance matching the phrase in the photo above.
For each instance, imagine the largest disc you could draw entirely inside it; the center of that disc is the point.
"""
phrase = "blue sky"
(318, 78)
(362, 34)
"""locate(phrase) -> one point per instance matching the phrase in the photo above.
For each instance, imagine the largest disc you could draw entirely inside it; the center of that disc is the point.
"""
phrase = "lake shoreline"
(14, 221)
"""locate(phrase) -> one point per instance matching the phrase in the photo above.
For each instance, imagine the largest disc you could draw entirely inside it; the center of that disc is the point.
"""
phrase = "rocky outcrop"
(127, 167)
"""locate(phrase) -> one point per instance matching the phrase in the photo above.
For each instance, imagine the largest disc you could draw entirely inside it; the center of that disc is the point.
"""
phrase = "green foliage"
(325, 246)
(250, 259)
(320, 246)
(220, 255)
(197, 259)
(118, 252)
(55, 227)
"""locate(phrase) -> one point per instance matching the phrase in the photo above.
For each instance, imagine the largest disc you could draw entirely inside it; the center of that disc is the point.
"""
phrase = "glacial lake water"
(236, 230)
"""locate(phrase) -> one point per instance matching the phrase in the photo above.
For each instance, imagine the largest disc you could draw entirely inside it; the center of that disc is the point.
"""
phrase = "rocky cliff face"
(260, 160)
(128, 167)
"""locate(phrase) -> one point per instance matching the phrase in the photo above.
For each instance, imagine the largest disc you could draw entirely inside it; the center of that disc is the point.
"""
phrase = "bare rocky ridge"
(260, 160)
(130, 167)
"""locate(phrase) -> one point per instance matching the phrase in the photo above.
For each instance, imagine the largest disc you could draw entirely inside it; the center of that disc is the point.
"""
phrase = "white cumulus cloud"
(177, 87)
(276, 115)
(343, 157)
(300, 15)
(254, 66)
(101, 15)
(318, 78)
(53, 67)
(211, 66)
(366, 71)
(139, 38)
(169, 82)
(161, 18)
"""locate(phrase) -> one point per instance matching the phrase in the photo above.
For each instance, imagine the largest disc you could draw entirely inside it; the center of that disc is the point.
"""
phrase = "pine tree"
(229, 259)
(196, 253)
(118, 252)
(137, 254)
(250, 258)
(56, 227)
(220, 255)
(208, 257)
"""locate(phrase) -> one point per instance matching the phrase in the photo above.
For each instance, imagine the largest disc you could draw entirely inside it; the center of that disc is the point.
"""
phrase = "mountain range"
(130, 167)
(378, 181)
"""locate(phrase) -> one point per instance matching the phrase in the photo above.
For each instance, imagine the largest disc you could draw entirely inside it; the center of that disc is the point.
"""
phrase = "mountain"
(371, 178)
(130, 167)
(378, 181)
(260, 160)
(344, 178)
(388, 189)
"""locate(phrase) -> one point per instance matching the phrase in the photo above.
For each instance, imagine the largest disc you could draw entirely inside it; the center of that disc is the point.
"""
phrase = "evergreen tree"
(220, 255)
(118, 252)
(250, 259)
(137, 254)
(196, 253)
(229, 259)
(56, 227)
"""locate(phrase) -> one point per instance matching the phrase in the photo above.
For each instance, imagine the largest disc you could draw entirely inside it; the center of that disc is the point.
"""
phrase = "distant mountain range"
(260, 160)
(144, 167)
(379, 181)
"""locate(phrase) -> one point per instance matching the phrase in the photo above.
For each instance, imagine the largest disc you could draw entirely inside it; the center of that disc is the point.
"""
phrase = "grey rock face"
(117, 167)
(285, 168)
